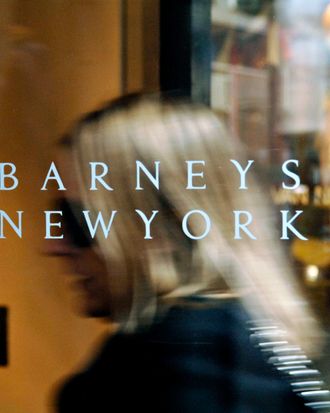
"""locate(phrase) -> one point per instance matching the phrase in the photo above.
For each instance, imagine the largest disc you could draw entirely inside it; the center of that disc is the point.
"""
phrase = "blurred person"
(185, 341)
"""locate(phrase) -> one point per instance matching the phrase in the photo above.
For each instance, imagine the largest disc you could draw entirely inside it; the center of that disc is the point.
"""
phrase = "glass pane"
(270, 83)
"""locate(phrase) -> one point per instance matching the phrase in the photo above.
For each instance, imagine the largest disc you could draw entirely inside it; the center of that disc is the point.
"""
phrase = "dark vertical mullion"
(3, 336)
(175, 46)
(185, 48)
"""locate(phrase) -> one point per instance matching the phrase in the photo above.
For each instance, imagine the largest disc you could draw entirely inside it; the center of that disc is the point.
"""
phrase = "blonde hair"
(172, 131)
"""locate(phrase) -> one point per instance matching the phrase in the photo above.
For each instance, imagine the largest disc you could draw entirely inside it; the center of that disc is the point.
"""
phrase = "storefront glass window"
(270, 82)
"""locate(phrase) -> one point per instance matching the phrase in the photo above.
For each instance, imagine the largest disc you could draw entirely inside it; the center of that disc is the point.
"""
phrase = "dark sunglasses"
(73, 223)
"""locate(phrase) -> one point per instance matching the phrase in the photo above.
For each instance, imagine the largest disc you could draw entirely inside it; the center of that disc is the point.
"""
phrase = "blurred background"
(262, 65)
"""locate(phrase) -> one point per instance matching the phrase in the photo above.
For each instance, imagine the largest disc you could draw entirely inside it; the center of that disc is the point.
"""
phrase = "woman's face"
(88, 280)
(89, 277)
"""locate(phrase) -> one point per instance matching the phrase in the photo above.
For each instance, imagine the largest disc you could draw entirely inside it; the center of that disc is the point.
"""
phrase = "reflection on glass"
(270, 82)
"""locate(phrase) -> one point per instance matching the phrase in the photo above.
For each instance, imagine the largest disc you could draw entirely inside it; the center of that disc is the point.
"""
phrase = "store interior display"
(270, 83)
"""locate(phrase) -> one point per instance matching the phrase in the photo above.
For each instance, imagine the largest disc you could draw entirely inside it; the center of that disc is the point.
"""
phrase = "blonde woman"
(173, 266)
